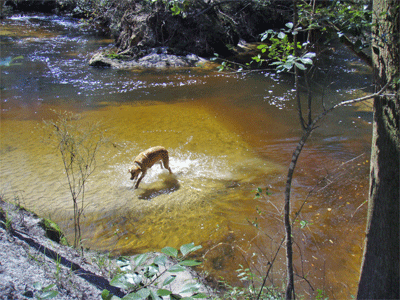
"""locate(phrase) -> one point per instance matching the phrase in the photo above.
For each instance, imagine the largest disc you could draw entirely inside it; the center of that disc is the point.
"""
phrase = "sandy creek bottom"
(208, 200)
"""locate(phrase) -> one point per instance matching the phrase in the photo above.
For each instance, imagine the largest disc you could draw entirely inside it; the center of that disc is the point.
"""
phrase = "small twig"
(352, 215)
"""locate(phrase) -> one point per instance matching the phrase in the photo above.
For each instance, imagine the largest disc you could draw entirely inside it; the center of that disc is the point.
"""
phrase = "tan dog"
(146, 160)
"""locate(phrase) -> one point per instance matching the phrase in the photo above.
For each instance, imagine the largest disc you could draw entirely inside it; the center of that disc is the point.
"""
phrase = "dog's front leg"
(140, 179)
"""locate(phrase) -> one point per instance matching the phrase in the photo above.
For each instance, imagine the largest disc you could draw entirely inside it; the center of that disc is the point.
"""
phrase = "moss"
(53, 232)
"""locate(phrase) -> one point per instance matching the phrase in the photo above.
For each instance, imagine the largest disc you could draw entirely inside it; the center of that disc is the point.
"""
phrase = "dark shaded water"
(227, 134)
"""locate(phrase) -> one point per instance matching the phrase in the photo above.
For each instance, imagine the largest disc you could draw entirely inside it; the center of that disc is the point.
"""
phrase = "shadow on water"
(227, 134)
(170, 185)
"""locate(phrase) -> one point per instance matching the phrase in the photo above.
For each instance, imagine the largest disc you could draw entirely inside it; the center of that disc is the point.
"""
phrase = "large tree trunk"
(379, 277)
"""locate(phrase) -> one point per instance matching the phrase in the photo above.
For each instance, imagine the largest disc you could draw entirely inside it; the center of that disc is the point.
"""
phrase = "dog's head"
(135, 170)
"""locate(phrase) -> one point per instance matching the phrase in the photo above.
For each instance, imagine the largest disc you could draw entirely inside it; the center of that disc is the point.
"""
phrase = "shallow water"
(227, 134)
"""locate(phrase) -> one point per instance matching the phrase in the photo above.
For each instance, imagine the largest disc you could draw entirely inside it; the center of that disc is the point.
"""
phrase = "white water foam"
(185, 166)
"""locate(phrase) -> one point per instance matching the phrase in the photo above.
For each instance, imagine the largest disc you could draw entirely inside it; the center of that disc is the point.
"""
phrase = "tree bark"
(379, 277)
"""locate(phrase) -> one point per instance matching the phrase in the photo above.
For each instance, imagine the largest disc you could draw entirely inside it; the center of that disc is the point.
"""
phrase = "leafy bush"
(280, 49)
(149, 277)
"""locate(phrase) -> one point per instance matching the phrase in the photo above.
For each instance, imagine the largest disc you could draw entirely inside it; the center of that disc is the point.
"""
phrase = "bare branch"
(295, 157)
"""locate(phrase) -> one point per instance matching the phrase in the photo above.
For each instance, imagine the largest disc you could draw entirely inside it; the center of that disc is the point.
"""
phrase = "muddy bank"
(33, 265)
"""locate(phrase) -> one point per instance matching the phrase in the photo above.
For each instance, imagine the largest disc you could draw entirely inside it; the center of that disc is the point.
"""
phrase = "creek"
(227, 134)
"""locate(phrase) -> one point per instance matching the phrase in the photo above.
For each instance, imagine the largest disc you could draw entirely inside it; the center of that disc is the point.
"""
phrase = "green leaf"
(190, 288)
(169, 279)
(281, 35)
(48, 294)
(163, 292)
(176, 10)
(38, 286)
(190, 263)
(154, 295)
(134, 278)
(170, 251)
(288, 65)
(132, 296)
(188, 248)
(126, 281)
(160, 260)
(265, 35)
(309, 55)
(143, 293)
(139, 295)
(300, 66)
(106, 295)
(50, 286)
(303, 224)
(124, 263)
(289, 25)
(140, 259)
(176, 269)
(306, 61)
(151, 270)
(199, 296)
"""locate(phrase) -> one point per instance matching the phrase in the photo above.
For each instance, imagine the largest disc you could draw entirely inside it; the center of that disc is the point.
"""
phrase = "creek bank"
(197, 31)
(30, 262)
(189, 31)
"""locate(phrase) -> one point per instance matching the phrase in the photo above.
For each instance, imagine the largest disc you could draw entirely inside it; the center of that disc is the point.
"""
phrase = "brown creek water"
(227, 134)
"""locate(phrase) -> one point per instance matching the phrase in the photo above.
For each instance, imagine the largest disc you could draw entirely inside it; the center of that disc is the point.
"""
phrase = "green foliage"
(304, 223)
(227, 65)
(113, 55)
(46, 292)
(339, 18)
(291, 61)
(321, 295)
(57, 273)
(336, 19)
(259, 192)
(177, 7)
(250, 289)
(149, 277)
(279, 49)
(7, 221)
